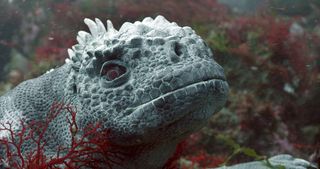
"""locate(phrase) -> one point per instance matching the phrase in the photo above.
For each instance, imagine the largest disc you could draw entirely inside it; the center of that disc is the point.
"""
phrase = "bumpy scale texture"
(151, 83)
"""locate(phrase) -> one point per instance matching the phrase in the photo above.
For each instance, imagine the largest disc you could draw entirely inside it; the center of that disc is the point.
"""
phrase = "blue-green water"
(270, 50)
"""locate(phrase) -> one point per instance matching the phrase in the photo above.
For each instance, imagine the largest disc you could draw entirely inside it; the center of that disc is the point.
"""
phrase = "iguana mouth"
(197, 100)
(204, 89)
(194, 87)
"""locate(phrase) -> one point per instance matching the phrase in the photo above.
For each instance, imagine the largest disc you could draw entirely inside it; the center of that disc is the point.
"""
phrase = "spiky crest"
(100, 36)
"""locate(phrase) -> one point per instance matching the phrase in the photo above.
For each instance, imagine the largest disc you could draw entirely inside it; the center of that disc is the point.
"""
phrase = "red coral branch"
(88, 148)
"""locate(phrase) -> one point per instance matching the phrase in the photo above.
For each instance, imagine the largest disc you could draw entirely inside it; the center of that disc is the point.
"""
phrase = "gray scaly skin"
(150, 83)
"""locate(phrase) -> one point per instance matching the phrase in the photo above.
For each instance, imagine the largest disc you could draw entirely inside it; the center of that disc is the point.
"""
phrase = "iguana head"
(147, 82)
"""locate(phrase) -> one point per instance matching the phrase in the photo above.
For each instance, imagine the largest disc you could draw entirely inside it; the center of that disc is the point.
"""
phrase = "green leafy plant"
(237, 149)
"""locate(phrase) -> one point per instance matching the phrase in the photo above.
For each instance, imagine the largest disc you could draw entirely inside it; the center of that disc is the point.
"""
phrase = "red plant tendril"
(90, 149)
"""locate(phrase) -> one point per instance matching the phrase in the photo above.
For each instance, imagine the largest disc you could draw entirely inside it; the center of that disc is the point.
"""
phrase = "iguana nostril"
(177, 52)
(177, 49)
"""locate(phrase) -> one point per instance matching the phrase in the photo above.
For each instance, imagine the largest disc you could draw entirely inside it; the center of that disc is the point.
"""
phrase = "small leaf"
(229, 141)
(250, 152)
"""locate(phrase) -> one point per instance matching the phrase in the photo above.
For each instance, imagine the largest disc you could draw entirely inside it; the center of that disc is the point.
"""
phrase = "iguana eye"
(112, 71)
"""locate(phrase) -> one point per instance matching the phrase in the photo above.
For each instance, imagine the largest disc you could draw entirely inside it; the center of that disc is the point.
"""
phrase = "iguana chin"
(150, 82)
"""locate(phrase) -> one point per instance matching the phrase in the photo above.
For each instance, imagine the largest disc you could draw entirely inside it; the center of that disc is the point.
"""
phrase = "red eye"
(112, 71)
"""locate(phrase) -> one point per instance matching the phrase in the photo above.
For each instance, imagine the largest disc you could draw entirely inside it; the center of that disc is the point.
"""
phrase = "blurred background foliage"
(270, 50)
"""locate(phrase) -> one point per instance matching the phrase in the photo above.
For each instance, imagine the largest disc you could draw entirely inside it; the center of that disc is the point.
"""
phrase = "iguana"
(150, 82)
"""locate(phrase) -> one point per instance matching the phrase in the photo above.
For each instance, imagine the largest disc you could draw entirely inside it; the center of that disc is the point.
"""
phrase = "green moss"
(218, 41)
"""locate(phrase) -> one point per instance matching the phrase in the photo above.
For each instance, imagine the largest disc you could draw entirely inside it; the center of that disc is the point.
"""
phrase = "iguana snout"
(179, 102)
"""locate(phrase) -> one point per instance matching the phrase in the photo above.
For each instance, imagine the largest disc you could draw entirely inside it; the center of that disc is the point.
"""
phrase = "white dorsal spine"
(71, 53)
(92, 27)
(110, 27)
(101, 29)
(99, 33)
